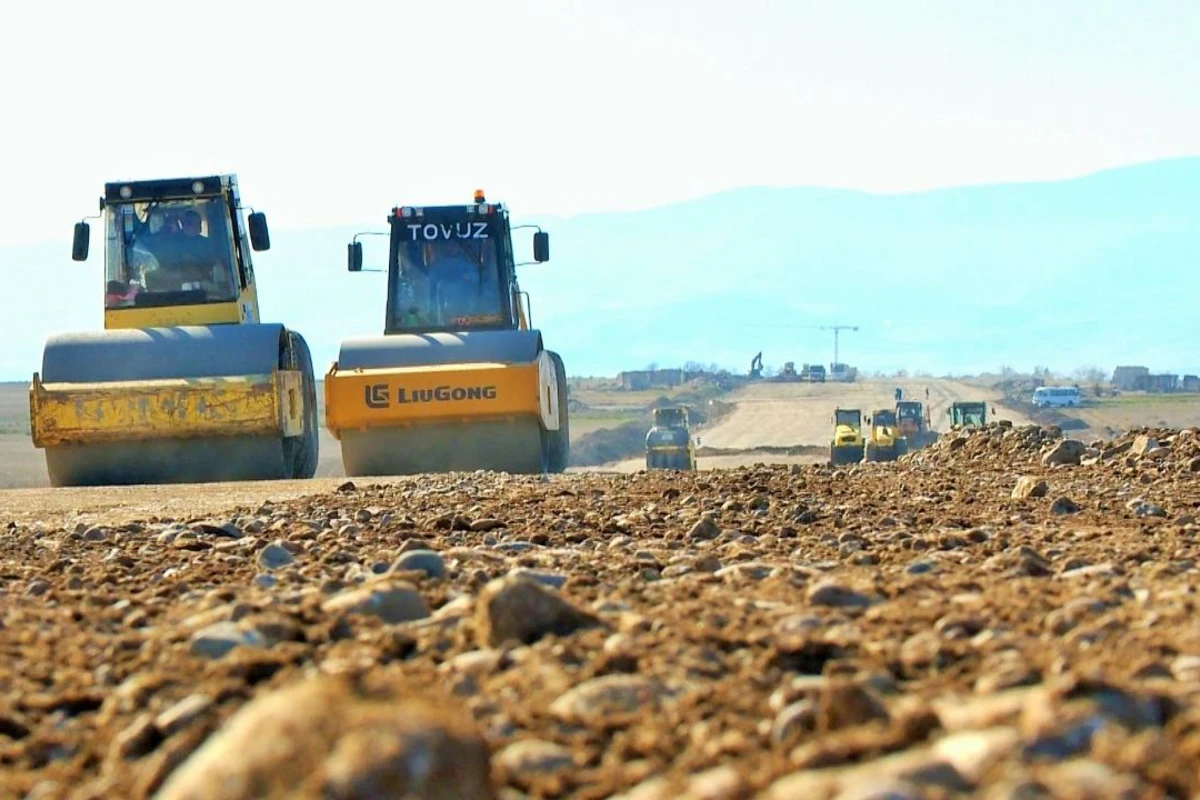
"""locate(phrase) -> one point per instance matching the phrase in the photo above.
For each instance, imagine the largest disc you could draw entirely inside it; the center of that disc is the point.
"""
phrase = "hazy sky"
(558, 107)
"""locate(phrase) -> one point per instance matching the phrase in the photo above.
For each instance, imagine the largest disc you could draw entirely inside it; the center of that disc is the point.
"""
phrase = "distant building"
(1191, 383)
(1163, 383)
(1130, 378)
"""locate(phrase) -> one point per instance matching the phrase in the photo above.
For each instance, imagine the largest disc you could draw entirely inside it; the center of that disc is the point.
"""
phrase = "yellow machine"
(847, 445)
(885, 442)
(915, 424)
(669, 443)
(458, 380)
(185, 383)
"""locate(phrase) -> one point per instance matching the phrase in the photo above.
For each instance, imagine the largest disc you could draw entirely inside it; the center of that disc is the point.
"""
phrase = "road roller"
(458, 380)
(185, 383)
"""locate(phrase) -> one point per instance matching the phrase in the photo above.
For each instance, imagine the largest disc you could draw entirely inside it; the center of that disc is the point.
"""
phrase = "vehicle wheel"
(560, 440)
(303, 451)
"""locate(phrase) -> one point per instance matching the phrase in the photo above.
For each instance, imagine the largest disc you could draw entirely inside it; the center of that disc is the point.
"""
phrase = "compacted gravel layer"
(1007, 614)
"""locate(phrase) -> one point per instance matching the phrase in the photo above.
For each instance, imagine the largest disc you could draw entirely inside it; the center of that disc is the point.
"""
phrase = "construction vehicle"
(459, 380)
(968, 414)
(915, 424)
(669, 443)
(787, 374)
(884, 442)
(756, 367)
(185, 383)
(813, 373)
(847, 446)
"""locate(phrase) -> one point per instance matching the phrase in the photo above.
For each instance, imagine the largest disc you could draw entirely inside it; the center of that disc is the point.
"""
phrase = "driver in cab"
(188, 257)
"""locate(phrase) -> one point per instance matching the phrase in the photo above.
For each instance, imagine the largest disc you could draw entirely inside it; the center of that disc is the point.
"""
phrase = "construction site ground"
(1005, 614)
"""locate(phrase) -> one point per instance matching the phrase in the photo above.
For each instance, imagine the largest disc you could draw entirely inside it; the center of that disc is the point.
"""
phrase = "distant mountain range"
(1100, 270)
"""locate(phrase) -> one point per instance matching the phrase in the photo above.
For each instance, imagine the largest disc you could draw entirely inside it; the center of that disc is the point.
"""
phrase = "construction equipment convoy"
(915, 424)
(884, 442)
(458, 380)
(185, 383)
(669, 442)
(847, 445)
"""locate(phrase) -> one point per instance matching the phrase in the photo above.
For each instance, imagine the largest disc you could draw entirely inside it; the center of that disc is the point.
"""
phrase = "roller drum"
(178, 353)
(518, 445)
(437, 349)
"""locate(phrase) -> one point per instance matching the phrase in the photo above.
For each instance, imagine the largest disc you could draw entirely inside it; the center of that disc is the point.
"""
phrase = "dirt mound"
(1009, 616)
(606, 445)
(997, 444)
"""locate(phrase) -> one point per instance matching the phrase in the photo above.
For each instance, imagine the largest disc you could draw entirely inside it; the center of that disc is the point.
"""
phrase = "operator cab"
(848, 416)
(176, 242)
(451, 268)
(884, 418)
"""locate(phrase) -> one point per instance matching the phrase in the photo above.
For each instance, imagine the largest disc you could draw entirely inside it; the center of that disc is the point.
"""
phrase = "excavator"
(459, 380)
(669, 443)
(884, 443)
(847, 445)
(756, 367)
(915, 424)
(185, 383)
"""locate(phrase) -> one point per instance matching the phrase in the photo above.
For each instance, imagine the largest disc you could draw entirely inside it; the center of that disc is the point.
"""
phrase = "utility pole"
(836, 330)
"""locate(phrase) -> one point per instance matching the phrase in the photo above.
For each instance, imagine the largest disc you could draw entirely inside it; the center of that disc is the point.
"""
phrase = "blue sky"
(562, 107)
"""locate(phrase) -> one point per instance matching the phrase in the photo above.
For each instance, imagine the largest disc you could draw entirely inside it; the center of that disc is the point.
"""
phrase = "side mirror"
(541, 246)
(354, 256)
(83, 238)
(260, 237)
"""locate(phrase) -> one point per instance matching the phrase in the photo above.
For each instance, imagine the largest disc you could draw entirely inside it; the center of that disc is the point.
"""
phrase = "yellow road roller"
(459, 380)
(669, 443)
(185, 383)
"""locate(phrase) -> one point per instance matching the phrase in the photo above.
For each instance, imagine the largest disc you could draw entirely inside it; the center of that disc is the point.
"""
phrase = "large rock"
(519, 609)
(1068, 451)
(1029, 486)
(324, 739)
(391, 600)
(1143, 444)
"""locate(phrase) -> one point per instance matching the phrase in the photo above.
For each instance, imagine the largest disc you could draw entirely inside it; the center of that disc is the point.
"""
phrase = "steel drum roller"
(517, 444)
(193, 352)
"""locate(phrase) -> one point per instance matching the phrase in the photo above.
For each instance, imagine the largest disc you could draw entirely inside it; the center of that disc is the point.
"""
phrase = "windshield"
(971, 415)
(885, 418)
(848, 418)
(168, 252)
(669, 417)
(446, 281)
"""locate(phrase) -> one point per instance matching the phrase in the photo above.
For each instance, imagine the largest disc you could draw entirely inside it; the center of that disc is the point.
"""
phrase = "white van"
(1056, 396)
